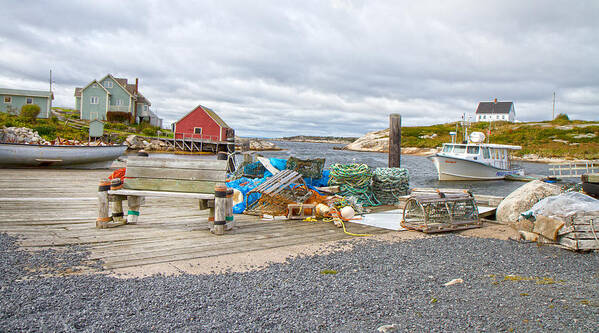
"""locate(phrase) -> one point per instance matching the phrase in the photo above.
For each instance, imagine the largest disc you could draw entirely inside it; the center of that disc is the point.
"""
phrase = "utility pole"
(553, 117)
(51, 97)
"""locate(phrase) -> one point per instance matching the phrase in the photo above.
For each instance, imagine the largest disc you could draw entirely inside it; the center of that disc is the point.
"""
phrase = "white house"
(496, 111)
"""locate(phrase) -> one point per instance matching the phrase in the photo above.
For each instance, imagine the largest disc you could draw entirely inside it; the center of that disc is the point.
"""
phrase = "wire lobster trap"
(439, 212)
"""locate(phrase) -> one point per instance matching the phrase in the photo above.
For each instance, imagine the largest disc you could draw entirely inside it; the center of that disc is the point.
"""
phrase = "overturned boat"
(475, 160)
(65, 156)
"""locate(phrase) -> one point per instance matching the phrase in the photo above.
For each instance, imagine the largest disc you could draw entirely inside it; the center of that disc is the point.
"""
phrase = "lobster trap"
(307, 168)
(277, 192)
(439, 212)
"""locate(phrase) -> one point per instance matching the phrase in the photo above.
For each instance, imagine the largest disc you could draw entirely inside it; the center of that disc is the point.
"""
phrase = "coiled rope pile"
(354, 180)
(388, 184)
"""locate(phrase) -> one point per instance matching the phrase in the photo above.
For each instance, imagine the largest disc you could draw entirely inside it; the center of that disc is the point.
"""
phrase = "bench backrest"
(174, 175)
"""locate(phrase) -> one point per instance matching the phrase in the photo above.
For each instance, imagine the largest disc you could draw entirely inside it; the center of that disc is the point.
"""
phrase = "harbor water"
(421, 169)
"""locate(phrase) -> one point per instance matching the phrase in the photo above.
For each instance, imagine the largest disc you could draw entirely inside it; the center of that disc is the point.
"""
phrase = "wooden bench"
(168, 178)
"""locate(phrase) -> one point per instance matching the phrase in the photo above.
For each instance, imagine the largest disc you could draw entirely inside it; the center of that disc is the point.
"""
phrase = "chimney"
(137, 87)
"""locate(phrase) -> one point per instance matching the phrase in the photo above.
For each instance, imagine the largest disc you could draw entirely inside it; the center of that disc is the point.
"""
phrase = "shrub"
(45, 130)
(117, 117)
(562, 117)
(118, 126)
(149, 131)
(30, 111)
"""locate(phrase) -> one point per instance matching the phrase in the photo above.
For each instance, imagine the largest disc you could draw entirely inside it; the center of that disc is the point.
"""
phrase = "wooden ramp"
(54, 208)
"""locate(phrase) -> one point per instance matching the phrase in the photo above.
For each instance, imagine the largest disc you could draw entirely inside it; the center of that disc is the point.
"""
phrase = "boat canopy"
(487, 145)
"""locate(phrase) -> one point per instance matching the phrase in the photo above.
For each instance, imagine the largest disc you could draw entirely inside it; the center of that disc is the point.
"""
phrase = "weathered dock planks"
(55, 208)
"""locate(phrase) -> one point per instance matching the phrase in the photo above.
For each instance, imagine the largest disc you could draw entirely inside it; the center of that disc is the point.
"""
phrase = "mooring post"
(220, 209)
(231, 149)
(103, 208)
(394, 140)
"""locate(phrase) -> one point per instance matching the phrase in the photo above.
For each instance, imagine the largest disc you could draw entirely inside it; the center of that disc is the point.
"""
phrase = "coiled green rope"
(354, 180)
(388, 184)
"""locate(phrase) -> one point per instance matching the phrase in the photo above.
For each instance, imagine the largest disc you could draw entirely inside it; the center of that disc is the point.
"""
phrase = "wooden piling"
(229, 219)
(117, 205)
(231, 149)
(103, 208)
(133, 202)
(395, 140)
(220, 209)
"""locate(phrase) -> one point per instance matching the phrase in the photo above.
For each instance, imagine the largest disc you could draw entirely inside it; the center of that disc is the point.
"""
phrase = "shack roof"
(210, 113)
(491, 107)
(28, 93)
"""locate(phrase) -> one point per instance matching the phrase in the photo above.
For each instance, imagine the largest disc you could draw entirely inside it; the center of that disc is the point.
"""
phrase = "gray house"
(11, 100)
(113, 97)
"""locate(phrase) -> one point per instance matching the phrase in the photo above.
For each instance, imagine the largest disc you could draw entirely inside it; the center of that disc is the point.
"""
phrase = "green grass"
(535, 138)
(50, 128)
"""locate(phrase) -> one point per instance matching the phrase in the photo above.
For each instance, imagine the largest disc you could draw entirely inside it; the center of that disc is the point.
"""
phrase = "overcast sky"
(280, 68)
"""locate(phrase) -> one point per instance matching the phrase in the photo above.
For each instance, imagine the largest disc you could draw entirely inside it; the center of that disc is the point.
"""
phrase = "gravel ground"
(376, 283)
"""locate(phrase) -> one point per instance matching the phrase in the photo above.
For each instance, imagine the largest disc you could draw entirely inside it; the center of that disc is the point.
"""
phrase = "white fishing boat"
(475, 160)
(64, 156)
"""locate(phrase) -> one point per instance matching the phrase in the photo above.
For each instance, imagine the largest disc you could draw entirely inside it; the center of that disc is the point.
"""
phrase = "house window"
(29, 100)
(93, 100)
(197, 130)
(7, 99)
(94, 85)
(119, 101)
(108, 84)
(503, 117)
(146, 109)
(484, 117)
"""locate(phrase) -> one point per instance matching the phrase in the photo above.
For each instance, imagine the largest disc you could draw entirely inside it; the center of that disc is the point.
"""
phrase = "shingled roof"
(491, 107)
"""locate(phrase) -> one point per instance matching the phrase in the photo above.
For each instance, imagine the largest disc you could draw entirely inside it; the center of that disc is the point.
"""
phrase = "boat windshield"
(473, 150)
(459, 149)
(447, 148)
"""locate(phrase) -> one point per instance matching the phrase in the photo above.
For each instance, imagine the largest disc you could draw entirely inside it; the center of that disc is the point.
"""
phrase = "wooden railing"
(185, 136)
(573, 169)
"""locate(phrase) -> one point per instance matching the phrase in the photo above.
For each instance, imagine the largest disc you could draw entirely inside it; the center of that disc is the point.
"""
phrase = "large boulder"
(261, 145)
(374, 141)
(134, 142)
(523, 199)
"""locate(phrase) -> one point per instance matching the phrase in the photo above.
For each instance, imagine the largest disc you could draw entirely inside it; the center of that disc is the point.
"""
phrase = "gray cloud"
(315, 67)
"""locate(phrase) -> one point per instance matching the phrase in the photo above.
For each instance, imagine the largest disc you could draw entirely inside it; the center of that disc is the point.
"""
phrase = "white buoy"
(347, 212)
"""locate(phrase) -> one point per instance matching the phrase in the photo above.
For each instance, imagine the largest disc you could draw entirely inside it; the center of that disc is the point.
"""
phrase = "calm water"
(421, 169)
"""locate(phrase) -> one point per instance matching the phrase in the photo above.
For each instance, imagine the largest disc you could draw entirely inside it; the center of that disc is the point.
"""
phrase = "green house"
(111, 99)
(11, 100)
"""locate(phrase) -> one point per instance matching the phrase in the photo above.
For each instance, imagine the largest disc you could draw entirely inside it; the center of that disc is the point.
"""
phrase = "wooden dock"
(52, 208)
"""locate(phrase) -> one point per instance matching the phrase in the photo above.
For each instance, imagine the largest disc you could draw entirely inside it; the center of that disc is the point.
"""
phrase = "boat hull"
(79, 157)
(449, 168)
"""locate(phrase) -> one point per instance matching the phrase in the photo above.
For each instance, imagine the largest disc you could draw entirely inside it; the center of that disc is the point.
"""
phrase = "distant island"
(318, 139)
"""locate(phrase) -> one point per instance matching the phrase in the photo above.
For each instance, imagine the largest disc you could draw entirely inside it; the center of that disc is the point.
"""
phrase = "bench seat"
(201, 179)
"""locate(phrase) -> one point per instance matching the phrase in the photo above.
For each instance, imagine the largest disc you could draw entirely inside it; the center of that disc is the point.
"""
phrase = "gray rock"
(523, 199)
